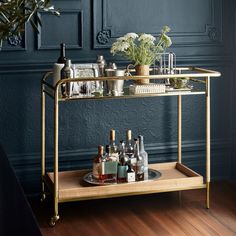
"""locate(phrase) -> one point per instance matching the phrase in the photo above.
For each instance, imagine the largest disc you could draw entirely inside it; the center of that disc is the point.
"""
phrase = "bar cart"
(68, 186)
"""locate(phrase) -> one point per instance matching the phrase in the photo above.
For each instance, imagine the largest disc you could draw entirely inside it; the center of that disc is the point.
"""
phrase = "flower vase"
(142, 70)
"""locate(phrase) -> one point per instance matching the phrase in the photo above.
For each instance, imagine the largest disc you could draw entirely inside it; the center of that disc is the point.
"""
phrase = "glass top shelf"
(195, 74)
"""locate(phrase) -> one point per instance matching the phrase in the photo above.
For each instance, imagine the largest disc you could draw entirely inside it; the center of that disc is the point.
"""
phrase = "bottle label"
(130, 177)
(122, 171)
(110, 167)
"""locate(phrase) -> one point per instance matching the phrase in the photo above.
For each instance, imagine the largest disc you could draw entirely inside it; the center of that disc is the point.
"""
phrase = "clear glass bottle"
(62, 58)
(109, 167)
(113, 146)
(129, 149)
(97, 164)
(120, 146)
(66, 73)
(144, 156)
(139, 170)
(122, 165)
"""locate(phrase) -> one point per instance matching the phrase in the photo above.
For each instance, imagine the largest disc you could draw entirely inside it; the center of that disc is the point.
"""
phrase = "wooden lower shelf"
(174, 177)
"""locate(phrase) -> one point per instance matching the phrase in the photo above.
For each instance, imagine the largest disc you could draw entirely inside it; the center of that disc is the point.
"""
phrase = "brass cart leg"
(179, 128)
(55, 217)
(180, 138)
(208, 145)
(43, 196)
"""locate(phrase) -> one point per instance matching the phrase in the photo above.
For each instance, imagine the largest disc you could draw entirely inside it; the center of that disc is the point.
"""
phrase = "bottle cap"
(100, 149)
(129, 134)
(112, 134)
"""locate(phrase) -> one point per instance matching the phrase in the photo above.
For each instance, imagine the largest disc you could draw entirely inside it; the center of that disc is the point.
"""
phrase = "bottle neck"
(100, 150)
(68, 63)
(141, 144)
(63, 50)
(112, 137)
(62, 58)
(136, 149)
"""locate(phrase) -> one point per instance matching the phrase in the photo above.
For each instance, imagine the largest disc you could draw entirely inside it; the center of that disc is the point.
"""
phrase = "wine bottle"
(129, 150)
(144, 156)
(62, 58)
(139, 170)
(113, 146)
(122, 165)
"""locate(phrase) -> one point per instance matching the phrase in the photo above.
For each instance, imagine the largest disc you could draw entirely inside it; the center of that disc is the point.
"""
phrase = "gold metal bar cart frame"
(175, 176)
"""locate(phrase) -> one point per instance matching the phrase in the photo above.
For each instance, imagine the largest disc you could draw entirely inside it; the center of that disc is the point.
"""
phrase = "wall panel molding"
(67, 28)
(15, 67)
(195, 28)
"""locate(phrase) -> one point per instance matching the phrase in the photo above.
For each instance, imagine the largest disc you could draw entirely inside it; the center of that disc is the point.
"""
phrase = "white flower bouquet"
(142, 49)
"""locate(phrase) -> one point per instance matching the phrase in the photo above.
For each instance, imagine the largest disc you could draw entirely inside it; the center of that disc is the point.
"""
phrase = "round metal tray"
(88, 178)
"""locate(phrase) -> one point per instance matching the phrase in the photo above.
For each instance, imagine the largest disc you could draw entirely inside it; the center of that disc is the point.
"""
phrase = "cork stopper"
(100, 149)
(129, 134)
(112, 135)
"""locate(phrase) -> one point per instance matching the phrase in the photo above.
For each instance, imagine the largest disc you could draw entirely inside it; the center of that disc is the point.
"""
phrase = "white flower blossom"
(131, 36)
(119, 46)
(121, 39)
(148, 38)
(142, 49)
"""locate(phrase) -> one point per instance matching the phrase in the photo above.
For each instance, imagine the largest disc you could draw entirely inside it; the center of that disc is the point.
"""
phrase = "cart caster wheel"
(43, 197)
(53, 220)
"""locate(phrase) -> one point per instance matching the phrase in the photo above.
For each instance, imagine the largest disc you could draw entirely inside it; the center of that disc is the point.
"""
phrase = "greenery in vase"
(142, 49)
(15, 13)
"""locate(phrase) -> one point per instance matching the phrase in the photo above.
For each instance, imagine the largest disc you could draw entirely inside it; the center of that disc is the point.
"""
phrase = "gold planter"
(142, 70)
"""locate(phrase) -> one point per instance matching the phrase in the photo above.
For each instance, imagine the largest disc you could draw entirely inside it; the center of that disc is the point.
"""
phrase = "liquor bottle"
(113, 146)
(144, 156)
(120, 147)
(97, 164)
(130, 174)
(59, 65)
(62, 58)
(66, 73)
(109, 167)
(139, 170)
(122, 165)
(128, 146)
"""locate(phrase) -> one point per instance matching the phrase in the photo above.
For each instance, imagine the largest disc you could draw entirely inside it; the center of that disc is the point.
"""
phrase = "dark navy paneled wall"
(202, 34)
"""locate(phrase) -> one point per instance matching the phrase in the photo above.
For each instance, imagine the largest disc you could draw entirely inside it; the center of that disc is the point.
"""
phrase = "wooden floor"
(147, 215)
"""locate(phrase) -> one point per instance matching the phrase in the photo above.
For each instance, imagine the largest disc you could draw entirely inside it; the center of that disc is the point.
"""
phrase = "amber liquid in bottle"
(98, 172)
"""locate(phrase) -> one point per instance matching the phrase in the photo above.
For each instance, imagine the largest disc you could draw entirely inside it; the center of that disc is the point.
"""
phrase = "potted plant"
(142, 49)
(15, 13)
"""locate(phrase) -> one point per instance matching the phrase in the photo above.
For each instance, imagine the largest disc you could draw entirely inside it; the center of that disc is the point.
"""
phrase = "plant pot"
(142, 70)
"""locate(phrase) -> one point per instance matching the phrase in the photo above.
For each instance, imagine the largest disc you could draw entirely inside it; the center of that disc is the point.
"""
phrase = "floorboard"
(147, 215)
